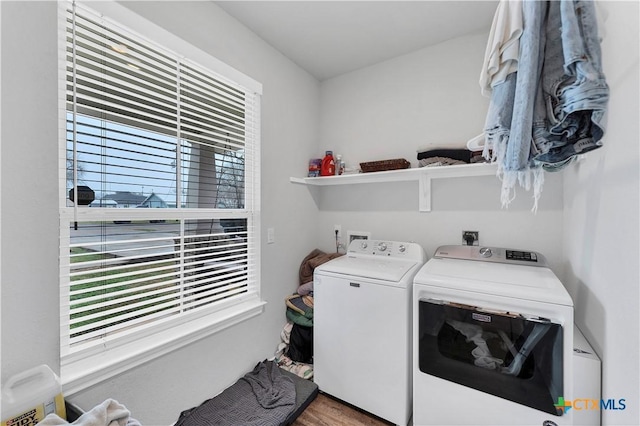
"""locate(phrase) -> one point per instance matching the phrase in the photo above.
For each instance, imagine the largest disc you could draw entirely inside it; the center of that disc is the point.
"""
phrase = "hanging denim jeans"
(575, 90)
(510, 119)
(557, 98)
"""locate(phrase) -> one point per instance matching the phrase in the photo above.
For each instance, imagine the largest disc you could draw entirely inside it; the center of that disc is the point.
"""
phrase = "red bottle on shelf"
(328, 167)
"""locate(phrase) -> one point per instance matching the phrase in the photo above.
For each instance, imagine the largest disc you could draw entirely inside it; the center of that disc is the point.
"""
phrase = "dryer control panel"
(385, 248)
(492, 254)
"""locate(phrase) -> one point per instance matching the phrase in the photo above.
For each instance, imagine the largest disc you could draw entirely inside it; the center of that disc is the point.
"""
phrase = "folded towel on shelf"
(463, 155)
(438, 161)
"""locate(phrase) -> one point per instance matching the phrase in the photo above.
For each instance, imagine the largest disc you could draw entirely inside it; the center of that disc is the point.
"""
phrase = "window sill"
(89, 371)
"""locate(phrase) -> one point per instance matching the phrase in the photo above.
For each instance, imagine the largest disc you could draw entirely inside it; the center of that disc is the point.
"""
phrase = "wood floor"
(328, 411)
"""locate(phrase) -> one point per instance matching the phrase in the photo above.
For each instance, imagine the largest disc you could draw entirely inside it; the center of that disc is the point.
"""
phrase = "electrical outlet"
(470, 238)
(271, 235)
(337, 232)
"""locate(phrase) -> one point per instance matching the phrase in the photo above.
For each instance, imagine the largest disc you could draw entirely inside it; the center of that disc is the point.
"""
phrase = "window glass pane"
(212, 177)
(122, 274)
(128, 273)
(212, 122)
(124, 166)
(127, 167)
(215, 259)
(230, 167)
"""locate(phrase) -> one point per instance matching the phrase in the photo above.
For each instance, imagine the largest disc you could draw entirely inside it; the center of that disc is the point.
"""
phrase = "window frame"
(85, 368)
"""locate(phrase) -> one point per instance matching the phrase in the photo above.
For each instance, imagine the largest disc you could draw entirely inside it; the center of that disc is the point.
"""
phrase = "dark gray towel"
(262, 397)
(270, 387)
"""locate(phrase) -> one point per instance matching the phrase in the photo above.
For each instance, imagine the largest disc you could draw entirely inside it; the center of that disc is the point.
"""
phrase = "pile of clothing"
(435, 156)
(295, 351)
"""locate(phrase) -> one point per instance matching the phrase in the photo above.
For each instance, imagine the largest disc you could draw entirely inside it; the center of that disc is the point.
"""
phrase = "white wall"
(428, 98)
(29, 216)
(158, 391)
(601, 217)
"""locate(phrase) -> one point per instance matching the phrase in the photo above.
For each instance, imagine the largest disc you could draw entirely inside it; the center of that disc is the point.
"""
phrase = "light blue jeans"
(510, 119)
(574, 89)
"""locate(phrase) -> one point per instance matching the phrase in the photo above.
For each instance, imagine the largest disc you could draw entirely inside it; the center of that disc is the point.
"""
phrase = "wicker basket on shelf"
(380, 166)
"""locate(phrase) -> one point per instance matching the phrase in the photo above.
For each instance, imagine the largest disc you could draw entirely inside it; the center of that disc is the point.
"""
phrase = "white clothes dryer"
(492, 340)
(362, 326)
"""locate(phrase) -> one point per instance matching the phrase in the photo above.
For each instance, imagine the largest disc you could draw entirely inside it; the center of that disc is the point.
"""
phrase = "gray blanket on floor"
(259, 398)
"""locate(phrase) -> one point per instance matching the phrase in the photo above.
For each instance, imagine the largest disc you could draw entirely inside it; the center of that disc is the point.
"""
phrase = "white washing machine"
(362, 326)
(492, 340)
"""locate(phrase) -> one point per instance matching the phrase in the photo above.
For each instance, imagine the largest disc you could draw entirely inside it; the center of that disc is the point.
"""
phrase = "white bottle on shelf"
(339, 164)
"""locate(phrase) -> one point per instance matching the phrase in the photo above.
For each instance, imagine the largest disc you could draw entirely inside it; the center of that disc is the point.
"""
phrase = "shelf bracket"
(424, 197)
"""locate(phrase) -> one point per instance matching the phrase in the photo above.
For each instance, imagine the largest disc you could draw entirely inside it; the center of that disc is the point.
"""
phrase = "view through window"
(161, 156)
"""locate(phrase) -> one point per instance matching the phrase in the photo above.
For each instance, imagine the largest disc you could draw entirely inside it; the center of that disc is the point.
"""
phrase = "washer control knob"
(485, 252)
(402, 248)
(382, 246)
(364, 245)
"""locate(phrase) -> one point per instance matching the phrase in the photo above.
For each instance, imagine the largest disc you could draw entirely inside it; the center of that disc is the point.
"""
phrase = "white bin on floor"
(28, 397)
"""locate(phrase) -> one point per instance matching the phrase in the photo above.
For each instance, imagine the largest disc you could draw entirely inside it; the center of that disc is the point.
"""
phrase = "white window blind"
(169, 153)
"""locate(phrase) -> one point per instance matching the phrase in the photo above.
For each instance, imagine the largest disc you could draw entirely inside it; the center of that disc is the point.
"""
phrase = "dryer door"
(513, 356)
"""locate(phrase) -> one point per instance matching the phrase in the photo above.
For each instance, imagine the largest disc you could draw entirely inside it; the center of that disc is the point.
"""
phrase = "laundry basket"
(73, 411)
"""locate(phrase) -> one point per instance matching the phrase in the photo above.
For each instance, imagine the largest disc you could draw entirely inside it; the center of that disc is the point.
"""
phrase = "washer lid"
(374, 267)
(517, 281)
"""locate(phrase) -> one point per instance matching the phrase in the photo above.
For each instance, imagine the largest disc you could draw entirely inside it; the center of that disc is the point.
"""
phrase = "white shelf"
(423, 175)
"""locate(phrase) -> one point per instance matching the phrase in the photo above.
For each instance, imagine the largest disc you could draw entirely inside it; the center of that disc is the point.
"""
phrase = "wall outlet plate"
(357, 235)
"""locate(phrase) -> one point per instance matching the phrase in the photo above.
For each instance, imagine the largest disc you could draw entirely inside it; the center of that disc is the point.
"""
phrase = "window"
(162, 156)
